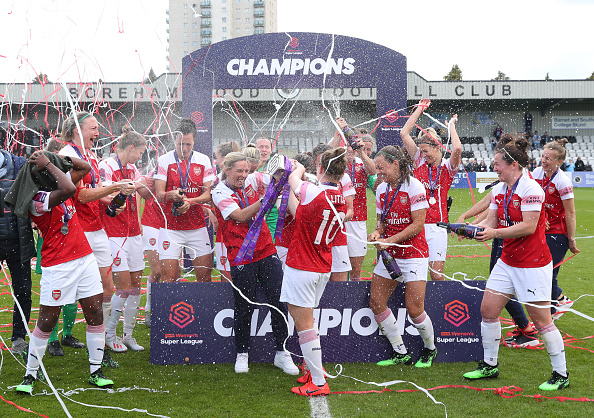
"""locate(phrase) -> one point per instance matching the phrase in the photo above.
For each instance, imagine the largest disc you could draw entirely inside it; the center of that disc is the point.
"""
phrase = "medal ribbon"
(246, 252)
(92, 172)
(124, 173)
(433, 183)
(183, 178)
(66, 217)
(242, 198)
(546, 187)
(507, 200)
(387, 207)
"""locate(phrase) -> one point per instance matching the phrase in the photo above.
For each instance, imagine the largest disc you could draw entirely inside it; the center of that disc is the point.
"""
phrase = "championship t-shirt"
(228, 201)
(557, 189)
(125, 224)
(58, 247)
(398, 207)
(439, 179)
(195, 172)
(316, 226)
(529, 251)
(88, 213)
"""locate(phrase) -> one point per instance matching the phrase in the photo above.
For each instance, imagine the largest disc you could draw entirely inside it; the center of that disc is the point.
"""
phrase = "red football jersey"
(227, 201)
(443, 177)
(200, 172)
(88, 213)
(316, 226)
(410, 197)
(358, 175)
(556, 191)
(126, 224)
(530, 251)
(57, 247)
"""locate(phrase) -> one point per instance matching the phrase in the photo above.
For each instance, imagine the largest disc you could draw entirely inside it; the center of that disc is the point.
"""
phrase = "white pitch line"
(318, 406)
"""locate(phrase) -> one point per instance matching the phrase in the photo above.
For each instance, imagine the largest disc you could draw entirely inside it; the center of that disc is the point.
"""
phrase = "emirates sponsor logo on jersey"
(56, 294)
(398, 221)
(152, 241)
(530, 200)
(166, 245)
(194, 190)
(117, 261)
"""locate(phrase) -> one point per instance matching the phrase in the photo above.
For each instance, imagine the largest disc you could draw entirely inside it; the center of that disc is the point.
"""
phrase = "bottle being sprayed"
(465, 230)
(390, 264)
(176, 205)
(351, 137)
(116, 203)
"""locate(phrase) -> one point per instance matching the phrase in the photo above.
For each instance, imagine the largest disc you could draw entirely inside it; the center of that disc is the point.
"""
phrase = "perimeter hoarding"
(195, 321)
(300, 60)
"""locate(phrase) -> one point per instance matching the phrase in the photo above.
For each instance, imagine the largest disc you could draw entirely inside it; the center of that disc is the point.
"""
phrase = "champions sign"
(301, 60)
(195, 321)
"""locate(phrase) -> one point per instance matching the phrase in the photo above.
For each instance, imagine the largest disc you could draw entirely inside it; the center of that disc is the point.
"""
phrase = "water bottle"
(465, 230)
(177, 205)
(351, 137)
(390, 264)
(115, 204)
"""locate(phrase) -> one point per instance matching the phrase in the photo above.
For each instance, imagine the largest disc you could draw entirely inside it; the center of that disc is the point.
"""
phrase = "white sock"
(425, 327)
(491, 335)
(106, 307)
(389, 327)
(37, 347)
(149, 283)
(117, 306)
(312, 352)
(553, 342)
(131, 311)
(96, 345)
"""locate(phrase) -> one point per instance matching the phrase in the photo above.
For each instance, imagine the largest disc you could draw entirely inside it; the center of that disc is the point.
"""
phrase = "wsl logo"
(291, 66)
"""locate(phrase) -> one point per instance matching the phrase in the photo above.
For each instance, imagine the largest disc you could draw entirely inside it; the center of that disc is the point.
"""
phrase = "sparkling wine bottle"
(351, 137)
(116, 203)
(390, 264)
(177, 205)
(465, 230)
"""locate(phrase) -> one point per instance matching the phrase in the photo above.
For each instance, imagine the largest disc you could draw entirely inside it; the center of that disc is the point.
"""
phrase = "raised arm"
(66, 188)
(456, 156)
(407, 140)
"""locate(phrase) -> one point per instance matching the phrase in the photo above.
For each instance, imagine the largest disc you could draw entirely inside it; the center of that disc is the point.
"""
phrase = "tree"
(455, 74)
(40, 79)
(501, 76)
(151, 77)
(591, 77)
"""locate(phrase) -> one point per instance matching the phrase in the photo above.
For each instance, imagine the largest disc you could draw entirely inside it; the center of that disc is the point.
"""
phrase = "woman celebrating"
(183, 182)
(318, 218)
(524, 269)
(125, 240)
(69, 268)
(559, 232)
(237, 197)
(401, 207)
(79, 132)
(436, 174)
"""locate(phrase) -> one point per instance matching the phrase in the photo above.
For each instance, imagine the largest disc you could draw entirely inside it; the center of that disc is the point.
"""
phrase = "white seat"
(466, 147)
(482, 147)
(590, 146)
(474, 147)
(568, 147)
(579, 138)
(586, 154)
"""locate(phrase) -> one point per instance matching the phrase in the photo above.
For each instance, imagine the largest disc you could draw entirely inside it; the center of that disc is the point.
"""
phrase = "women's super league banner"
(300, 60)
(193, 323)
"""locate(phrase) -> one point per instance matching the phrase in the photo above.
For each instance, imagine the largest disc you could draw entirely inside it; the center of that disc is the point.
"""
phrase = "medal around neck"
(432, 200)
(64, 229)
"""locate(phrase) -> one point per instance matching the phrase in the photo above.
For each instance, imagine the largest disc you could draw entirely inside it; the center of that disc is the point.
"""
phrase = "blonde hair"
(558, 145)
(70, 123)
(130, 137)
(429, 137)
(230, 160)
(252, 154)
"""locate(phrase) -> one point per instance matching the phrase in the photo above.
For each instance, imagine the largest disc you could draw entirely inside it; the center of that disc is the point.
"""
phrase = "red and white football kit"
(227, 201)
(557, 189)
(69, 269)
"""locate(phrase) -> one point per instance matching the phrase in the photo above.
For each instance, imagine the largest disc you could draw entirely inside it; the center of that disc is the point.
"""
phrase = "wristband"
(48, 163)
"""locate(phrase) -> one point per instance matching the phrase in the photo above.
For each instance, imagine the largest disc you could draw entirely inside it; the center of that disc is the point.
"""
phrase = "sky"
(120, 40)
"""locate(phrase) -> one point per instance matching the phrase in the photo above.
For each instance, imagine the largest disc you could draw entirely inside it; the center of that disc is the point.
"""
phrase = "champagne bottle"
(465, 230)
(116, 203)
(390, 264)
(177, 205)
(351, 137)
